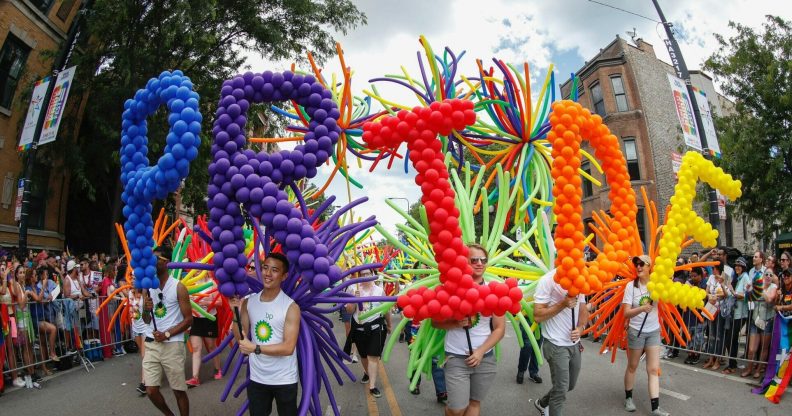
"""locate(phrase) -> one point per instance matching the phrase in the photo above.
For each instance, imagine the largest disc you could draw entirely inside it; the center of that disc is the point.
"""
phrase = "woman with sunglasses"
(784, 301)
(643, 336)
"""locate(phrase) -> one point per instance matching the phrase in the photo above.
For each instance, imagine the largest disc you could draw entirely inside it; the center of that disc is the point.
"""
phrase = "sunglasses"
(479, 260)
(784, 259)
(639, 263)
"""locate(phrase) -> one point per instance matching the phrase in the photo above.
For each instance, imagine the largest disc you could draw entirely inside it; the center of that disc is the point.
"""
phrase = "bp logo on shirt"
(263, 331)
(160, 310)
(643, 300)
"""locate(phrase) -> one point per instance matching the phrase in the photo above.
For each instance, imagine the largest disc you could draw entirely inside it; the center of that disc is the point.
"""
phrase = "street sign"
(18, 206)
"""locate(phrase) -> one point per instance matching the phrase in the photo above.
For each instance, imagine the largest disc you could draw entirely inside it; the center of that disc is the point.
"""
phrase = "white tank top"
(456, 340)
(166, 310)
(75, 287)
(267, 320)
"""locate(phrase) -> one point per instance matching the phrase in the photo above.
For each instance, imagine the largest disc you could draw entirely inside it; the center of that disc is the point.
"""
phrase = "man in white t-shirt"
(563, 319)
(273, 319)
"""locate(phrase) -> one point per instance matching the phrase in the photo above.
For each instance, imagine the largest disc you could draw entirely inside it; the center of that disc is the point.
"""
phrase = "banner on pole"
(707, 125)
(36, 102)
(56, 106)
(684, 111)
(676, 163)
(18, 206)
(721, 205)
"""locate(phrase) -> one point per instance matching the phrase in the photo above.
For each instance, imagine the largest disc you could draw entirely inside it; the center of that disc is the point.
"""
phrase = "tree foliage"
(755, 69)
(130, 41)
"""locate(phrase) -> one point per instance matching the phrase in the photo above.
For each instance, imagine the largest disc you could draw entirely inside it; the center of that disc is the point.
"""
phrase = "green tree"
(131, 41)
(755, 69)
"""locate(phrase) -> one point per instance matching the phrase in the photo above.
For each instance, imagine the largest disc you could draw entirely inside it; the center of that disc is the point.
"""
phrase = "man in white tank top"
(164, 346)
(470, 367)
(274, 321)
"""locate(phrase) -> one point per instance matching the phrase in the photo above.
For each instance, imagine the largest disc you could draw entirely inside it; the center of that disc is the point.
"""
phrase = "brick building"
(627, 85)
(30, 31)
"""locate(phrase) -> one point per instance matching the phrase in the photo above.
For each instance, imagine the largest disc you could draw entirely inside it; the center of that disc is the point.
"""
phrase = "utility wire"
(625, 11)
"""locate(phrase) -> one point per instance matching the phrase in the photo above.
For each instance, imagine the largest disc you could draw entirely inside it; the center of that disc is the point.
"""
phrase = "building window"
(12, 62)
(640, 220)
(64, 9)
(42, 5)
(596, 99)
(588, 190)
(631, 154)
(618, 92)
(39, 191)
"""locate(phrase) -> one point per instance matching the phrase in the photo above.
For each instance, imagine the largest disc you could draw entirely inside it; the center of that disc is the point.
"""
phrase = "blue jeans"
(527, 356)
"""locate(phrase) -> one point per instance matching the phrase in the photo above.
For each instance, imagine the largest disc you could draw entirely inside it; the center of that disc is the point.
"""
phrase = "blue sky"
(565, 33)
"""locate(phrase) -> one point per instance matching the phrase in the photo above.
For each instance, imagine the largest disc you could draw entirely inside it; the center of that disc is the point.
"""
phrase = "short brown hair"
(479, 247)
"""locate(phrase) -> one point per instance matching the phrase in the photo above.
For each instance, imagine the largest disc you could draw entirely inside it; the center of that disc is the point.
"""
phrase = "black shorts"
(370, 341)
(261, 395)
(204, 327)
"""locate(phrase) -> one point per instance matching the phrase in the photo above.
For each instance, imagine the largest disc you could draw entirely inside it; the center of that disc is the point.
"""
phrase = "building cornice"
(40, 20)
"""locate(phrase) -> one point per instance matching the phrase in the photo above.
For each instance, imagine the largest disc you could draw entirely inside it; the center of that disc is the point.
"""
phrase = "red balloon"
(490, 302)
(465, 308)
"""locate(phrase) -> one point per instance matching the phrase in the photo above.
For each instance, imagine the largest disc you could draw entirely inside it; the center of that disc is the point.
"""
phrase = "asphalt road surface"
(110, 390)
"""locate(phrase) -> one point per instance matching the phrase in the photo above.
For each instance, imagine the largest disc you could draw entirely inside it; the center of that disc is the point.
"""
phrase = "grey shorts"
(647, 339)
(468, 383)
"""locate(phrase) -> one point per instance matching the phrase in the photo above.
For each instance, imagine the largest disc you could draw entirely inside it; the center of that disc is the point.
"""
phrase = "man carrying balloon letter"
(563, 319)
(275, 322)
(470, 366)
(164, 341)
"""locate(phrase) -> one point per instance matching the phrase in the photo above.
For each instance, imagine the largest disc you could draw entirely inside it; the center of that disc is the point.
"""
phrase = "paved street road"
(109, 390)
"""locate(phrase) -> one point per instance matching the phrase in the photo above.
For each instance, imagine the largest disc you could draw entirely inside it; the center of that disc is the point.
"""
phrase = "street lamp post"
(404, 199)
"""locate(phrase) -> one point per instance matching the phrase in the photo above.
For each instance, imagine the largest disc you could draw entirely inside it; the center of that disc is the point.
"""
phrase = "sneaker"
(117, 353)
(193, 382)
(218, 375)
(442, 398)
(535, 378)
(365, 379)
(629, 405)
(695, 360)
(18, 382)
(416, 391)
(141, 388)
(543, 411)
(659, 412)
(28, 382)
(520, 376)
(375, 392)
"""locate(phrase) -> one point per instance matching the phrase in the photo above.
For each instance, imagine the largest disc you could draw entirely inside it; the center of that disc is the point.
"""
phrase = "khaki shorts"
(167, 357)
(647, 339)
(468, 383)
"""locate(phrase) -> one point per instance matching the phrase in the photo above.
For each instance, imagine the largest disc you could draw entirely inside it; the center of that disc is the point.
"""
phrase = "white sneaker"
(660, 412)
(18, 382)
(543, 411)
(629, 405)
(28, 382)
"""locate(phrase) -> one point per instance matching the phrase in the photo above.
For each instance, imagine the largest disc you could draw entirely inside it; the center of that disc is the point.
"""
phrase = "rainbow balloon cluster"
(458, 296)
(682, 221)
(143, 183)
(570, 124)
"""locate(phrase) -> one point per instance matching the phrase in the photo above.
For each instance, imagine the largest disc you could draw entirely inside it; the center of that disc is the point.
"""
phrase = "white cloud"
(515, 31)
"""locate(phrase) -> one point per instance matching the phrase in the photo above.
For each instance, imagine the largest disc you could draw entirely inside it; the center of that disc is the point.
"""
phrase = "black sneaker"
(520, 377)
(365, 379)
(375, 392)
(141, 388)
(442, 398)
(416, 391)
(535, 378)
(695, 360)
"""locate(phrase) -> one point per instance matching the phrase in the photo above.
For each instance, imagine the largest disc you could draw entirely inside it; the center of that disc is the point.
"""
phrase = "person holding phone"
(643, 336)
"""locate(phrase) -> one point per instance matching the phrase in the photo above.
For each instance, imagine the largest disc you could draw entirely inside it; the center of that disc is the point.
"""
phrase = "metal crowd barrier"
(736, 340)
(81, 337)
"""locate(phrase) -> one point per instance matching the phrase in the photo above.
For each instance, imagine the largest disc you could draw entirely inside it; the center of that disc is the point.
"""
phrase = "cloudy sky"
(564, 33)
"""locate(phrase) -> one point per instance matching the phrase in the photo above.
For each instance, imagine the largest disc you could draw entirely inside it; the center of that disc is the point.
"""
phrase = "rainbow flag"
(779, 370)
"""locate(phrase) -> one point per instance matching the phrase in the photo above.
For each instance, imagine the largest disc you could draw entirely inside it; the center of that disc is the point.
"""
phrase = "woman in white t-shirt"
(643, 335)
